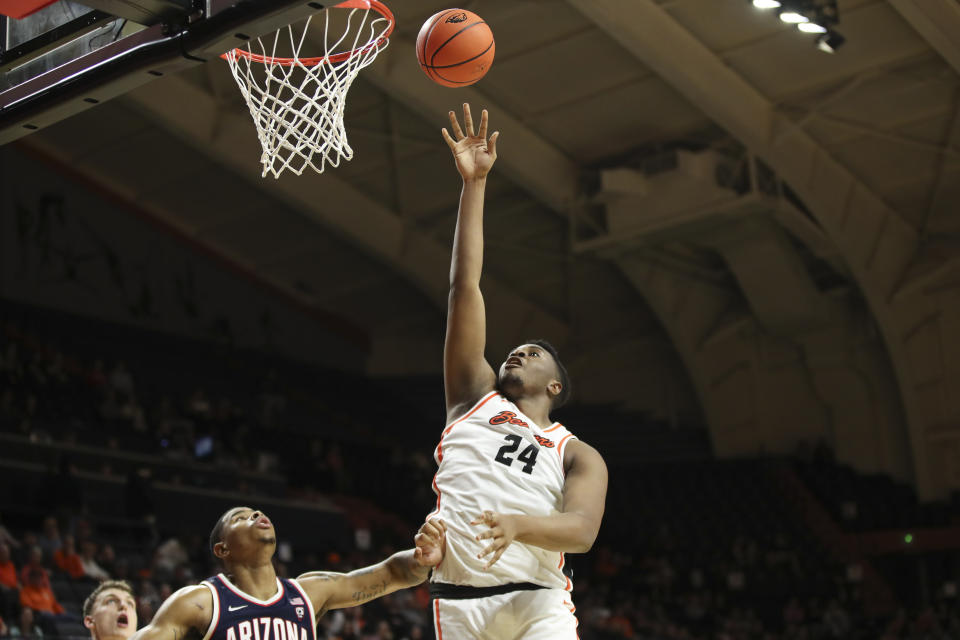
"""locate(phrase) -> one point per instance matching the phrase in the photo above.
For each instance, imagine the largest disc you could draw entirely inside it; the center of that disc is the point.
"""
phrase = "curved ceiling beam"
(229, 139)
(533, 163)
(938, 22)
(874, 241)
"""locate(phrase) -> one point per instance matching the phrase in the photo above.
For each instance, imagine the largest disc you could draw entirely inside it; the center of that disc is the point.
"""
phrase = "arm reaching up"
(467, 375)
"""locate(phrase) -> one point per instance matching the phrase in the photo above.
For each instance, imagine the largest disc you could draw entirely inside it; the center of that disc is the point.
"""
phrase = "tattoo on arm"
(370, 592)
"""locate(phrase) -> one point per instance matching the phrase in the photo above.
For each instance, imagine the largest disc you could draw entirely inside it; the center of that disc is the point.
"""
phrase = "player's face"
(248, 529)
(114, 616)
(528, 367)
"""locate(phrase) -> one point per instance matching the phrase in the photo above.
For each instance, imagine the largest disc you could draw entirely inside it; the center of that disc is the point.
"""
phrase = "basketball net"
(297, 103)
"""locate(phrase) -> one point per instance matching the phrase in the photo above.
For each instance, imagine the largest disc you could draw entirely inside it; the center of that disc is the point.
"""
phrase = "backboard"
(61, 57)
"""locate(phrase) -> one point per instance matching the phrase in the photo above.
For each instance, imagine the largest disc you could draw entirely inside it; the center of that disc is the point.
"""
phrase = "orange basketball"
(455, 47)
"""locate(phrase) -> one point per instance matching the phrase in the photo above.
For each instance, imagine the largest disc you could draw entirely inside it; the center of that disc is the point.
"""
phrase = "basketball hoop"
(297, 103)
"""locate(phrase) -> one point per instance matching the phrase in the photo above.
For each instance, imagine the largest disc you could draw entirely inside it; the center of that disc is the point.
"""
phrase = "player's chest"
(503, 445)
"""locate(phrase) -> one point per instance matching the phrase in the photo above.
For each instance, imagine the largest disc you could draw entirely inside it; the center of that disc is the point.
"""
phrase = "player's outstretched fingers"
(495, 557)
(482, 132)
(489, 533)
(455, 126)
(450, 141)
(487, 518)
(468, 120)
(492, 144)
(489, 548)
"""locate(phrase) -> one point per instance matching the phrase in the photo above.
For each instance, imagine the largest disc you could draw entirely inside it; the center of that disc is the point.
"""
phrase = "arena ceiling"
(717, 222)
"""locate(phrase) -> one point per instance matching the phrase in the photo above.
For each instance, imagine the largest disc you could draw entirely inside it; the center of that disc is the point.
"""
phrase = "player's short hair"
(561, 398)
(91, 600)
(216, 534)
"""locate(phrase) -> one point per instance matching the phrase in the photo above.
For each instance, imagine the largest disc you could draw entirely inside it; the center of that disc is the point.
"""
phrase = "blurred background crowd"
(116, 458)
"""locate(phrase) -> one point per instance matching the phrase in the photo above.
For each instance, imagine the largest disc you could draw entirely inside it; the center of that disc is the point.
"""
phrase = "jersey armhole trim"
(215, 614)
(479, 403)
(562, 447)
(313, 615)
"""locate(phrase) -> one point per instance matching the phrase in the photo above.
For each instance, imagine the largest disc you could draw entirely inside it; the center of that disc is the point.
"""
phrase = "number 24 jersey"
(496, 458)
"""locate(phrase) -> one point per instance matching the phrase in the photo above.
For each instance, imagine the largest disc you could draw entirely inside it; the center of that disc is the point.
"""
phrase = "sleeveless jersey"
(496, 458)
(288, 615)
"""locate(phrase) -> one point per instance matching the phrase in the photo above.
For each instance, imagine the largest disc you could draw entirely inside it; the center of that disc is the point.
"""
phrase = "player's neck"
(258, 581)
(536, 408)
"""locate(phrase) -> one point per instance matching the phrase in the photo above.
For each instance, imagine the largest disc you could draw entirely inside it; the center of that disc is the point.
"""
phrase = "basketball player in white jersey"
(249, 602)
(515, 489)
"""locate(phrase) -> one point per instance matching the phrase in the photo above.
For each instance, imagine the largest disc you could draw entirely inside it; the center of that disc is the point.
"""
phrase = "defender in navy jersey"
(249, 602)
(515, 489)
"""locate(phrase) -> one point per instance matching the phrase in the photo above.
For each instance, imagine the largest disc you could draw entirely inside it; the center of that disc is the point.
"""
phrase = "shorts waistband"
(465, 592)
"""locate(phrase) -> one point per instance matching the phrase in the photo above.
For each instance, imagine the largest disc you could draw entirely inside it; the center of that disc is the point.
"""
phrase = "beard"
(509, 381)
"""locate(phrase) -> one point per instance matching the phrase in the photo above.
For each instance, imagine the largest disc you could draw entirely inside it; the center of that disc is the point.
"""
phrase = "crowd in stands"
(690, 550)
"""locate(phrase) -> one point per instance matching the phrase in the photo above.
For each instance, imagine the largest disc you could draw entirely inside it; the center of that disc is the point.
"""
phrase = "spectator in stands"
(38, 603)
(88, 561)
(67, 560)
(6, 537)
(49, 539)
(110, 612)
(107, 558)
(9, 584)
(168, 556)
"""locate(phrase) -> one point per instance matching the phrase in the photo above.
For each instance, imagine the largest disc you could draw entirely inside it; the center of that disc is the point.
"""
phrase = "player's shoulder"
(467, 408)
(577, 451)
(191, 606)
(192, 593)
(319, 586)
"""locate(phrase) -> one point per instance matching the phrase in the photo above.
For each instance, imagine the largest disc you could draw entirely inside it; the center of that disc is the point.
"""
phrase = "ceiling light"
(830, 42)
(811, 27)
(766, 4)
(793, 17)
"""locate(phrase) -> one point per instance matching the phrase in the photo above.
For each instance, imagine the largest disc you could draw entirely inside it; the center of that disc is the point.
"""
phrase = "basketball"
(455, 47)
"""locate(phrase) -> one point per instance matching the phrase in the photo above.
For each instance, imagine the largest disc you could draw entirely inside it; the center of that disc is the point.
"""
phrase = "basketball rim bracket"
(66, 57)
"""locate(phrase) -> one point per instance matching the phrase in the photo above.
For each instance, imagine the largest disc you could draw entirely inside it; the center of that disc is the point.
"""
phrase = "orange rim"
(375, 5)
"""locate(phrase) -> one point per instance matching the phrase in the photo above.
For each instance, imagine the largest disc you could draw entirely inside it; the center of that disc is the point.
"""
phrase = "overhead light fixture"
(811, 27)
(830, 41)
(793, 17)
(816, 17)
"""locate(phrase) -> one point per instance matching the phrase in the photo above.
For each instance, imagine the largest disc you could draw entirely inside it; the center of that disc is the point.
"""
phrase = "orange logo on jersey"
(505, 417)
(544, 442)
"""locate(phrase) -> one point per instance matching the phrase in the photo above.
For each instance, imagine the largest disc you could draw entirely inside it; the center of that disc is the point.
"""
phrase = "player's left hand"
(431, 543)
(501, 532)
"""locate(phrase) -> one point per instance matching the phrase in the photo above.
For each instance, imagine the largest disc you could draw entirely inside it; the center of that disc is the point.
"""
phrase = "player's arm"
(574, 529)
(466, 374)
(185, 614)
(329, 590)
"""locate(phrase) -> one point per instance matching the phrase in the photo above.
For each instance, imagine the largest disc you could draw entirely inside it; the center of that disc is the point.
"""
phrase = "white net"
(298, 103)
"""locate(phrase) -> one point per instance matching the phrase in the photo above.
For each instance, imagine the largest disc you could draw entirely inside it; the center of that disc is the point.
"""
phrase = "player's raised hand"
(473, 151)
(431, 543)
(501, 531)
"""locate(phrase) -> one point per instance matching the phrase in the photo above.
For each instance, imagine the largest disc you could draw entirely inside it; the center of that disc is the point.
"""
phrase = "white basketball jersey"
(496, 458)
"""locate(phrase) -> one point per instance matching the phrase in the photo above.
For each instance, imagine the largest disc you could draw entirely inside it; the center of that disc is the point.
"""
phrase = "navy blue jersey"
(288, 615)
